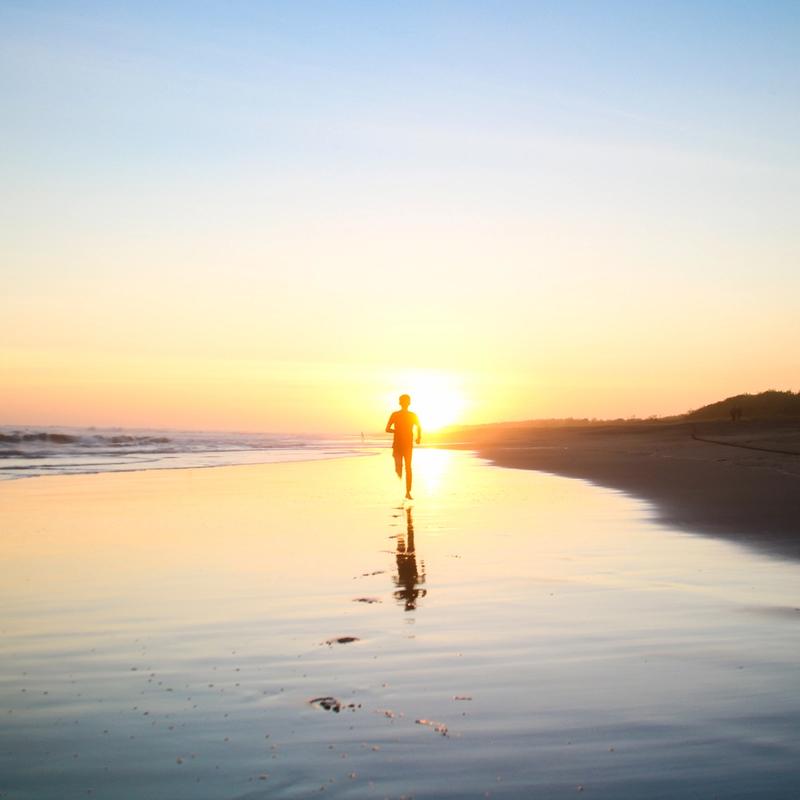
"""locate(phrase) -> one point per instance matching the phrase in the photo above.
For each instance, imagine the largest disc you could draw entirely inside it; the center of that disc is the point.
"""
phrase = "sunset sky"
(277, 216)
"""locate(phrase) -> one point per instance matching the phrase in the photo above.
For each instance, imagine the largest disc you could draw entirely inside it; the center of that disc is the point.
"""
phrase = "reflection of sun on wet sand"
(227, 614)
(408, 578)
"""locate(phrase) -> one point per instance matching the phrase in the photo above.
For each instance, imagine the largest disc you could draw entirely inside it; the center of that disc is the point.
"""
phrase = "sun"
(436, 397)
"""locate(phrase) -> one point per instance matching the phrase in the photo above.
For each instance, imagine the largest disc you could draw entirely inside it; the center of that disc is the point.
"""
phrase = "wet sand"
(289, 630)
(736, 481)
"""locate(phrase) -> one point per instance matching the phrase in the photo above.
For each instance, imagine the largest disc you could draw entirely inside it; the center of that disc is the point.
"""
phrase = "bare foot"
(408, 496)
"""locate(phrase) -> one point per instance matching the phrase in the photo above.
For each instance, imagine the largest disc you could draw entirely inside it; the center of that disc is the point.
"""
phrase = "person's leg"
(398, 463)
(407, 458)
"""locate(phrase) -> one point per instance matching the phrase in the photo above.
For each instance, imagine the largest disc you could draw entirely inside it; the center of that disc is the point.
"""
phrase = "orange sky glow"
(258, 225)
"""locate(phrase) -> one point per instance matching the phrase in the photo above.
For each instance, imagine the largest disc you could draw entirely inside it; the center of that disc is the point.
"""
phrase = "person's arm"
(390, 423)
(419, 428)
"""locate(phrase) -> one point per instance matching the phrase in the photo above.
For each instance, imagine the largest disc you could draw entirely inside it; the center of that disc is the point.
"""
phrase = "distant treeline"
(765, 405)
(769, 405)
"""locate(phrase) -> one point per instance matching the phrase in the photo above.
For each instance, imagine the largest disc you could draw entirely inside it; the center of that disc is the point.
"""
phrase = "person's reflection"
(408, 577)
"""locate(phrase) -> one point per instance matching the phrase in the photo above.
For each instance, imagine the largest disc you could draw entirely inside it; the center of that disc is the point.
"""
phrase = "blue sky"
(575, 163)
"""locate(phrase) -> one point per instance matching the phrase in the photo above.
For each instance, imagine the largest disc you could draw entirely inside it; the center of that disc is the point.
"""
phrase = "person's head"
(405, 401)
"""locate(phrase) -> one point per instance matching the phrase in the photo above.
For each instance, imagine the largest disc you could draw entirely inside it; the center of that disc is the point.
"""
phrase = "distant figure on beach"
(401, 423)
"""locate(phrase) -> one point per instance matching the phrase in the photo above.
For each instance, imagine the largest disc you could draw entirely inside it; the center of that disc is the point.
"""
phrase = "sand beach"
(296, 630)
(739, 482)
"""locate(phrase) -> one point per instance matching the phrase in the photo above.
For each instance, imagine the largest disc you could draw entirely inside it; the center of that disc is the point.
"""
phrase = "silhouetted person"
(408, 578)
(401, 423)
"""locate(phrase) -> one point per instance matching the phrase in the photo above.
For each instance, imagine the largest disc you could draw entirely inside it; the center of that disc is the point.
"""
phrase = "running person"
(401, 423)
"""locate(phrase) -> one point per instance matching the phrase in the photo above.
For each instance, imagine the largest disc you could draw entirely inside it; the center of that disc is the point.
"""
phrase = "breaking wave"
(67, 438)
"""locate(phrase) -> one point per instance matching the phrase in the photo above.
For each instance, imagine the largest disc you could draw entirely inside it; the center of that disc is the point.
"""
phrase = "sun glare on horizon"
(436, 397)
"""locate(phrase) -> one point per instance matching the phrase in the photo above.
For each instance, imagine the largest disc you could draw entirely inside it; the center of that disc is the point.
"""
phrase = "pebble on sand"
(341, 640)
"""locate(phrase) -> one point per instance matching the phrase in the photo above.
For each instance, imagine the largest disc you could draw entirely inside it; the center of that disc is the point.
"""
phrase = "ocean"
(27, 452)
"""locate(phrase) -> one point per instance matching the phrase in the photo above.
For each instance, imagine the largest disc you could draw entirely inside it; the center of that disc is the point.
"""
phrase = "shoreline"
(742, 487)
(13, 478)
(738, 483)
